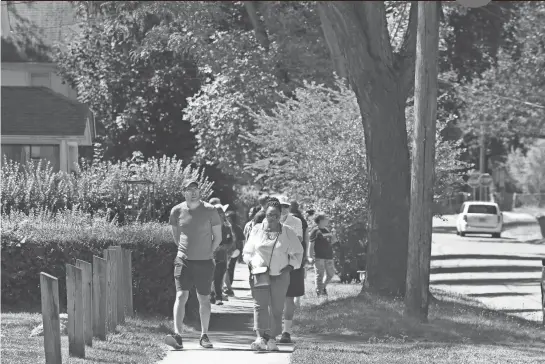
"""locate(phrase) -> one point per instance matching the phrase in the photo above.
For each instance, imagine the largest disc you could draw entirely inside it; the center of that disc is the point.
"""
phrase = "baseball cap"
(221, 207)
(189, 182)
(284, 201)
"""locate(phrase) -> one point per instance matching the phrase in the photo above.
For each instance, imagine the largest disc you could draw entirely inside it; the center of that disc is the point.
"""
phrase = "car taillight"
(465, 218)
(499, 219)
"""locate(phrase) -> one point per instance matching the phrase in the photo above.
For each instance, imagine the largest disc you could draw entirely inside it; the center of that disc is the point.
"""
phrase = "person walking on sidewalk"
(321, 252)
(272, 252)
(196, 229)
(239, 239)
(221, 256)
(296, 288)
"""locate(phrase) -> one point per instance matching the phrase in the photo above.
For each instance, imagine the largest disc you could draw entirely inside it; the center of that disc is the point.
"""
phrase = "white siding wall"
(19, 74)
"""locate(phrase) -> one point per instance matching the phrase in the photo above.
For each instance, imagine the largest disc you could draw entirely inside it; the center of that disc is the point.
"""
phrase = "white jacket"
(287, 251)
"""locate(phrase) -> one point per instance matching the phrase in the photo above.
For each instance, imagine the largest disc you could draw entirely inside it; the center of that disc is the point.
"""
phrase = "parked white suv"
(479, 217)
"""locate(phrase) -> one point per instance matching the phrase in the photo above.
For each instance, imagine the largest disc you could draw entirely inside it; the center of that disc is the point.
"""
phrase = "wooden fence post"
(127, 265)
(75, 309)
(87, 285)
(49, 287)
(120, 284)
(99, 298)
(543, 289)
(111, 279)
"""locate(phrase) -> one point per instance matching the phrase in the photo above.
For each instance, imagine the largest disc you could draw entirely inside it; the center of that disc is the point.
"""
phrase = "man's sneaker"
(175, 341)
(219, 302)
(229, 292)
(271, 345)
(260, 344)
(286, 338)
(205, 342)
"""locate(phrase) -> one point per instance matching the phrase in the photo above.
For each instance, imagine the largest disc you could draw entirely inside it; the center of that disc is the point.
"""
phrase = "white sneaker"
(271, 345)
(260, 344)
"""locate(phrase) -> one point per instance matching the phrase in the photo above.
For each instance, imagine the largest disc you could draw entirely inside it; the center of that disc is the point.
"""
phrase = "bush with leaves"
(40, 241)
(98, 186)
(528, 171)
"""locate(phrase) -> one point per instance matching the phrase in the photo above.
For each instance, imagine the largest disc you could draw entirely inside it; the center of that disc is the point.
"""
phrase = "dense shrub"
(46, 242)
(97, 187)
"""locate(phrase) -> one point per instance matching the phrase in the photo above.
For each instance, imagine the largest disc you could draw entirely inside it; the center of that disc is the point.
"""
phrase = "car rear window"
(482, 209)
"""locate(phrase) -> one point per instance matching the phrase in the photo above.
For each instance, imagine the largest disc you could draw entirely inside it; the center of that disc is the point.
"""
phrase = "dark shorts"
(194, 273)
(297, 283)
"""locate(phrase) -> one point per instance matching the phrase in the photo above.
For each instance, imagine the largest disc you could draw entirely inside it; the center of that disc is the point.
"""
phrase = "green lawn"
(353, 328)
(138, 341)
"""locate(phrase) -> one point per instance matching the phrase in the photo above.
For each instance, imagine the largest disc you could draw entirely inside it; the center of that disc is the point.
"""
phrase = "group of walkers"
(276, 244)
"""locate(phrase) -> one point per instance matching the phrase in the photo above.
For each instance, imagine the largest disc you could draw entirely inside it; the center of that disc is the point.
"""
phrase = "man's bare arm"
(176, 234)
(216, 233)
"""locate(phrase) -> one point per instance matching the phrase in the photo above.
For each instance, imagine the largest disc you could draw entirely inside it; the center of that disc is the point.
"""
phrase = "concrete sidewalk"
(230, 332)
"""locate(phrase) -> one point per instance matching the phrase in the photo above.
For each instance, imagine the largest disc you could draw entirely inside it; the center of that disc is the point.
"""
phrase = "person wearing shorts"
(196, 229)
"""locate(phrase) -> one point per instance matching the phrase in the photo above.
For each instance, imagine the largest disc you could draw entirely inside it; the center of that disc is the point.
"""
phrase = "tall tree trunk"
(381, 81)
(423, 162)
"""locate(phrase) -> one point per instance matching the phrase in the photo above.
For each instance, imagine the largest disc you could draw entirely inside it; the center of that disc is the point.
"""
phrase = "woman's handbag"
(260, 275)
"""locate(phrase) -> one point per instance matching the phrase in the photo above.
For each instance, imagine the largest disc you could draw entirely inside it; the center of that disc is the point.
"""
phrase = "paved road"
(503, 274)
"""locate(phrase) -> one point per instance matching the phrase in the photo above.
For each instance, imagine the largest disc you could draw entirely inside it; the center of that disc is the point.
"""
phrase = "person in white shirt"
(271, 252)
(297, 276)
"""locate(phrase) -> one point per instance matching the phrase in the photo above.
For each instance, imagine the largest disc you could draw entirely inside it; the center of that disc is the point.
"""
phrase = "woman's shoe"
(271, 345)
(260, 344)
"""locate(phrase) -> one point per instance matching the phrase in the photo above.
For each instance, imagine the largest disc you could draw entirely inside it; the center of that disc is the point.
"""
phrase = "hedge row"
(30, 246)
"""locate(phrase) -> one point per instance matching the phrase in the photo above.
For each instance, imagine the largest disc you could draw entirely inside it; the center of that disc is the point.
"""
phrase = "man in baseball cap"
(196, 229)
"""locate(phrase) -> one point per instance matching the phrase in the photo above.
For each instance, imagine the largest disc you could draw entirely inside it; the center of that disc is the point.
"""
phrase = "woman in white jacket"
(272, 251)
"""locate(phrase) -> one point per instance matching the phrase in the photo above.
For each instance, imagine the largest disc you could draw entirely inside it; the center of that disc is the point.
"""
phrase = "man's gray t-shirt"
(195, 230)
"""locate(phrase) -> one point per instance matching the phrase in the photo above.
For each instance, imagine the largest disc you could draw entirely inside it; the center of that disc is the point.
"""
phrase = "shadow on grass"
(367, 318)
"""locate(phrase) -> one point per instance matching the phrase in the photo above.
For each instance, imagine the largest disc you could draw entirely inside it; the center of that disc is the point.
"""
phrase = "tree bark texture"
(379, 78)
(422, 176)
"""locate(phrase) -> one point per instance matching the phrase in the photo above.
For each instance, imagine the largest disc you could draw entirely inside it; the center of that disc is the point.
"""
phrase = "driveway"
(501, 274)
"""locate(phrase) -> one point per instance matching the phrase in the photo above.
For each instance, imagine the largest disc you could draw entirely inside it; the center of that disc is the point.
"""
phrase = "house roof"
(41, 111)
(35, 28)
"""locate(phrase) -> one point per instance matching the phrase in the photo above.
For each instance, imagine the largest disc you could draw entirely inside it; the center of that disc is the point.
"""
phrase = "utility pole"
(423, 164)
(482, 157)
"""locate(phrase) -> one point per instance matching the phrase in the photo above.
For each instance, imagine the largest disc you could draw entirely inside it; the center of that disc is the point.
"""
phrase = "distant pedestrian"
(259, 214)
(221, 256)
(239, 240)
(271, 252)
(196, 229)
(296, 288)
(321, 253)
(250, 223)
(262, 200)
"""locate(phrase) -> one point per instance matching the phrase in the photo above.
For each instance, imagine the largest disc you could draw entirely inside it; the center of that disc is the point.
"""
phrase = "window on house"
(24, 153)
(40, 79)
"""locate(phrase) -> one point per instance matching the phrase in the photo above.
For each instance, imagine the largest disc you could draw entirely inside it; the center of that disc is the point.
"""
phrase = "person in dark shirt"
(321, 252)
(239, 239)
(221, 256)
